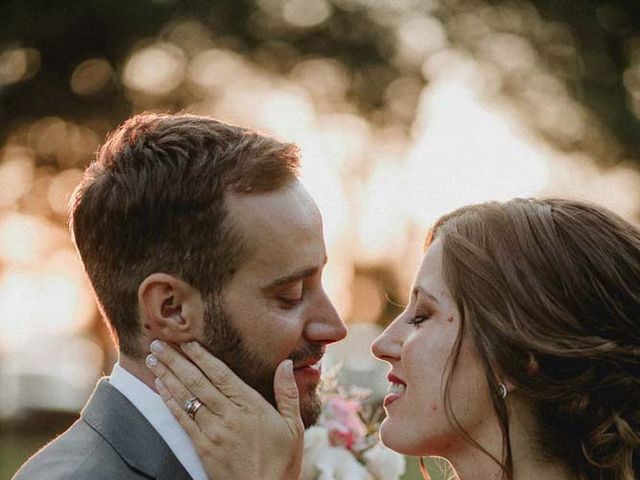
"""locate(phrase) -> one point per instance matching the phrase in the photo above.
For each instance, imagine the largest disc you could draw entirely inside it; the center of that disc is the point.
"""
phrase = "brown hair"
(153, 201)
(554, 283)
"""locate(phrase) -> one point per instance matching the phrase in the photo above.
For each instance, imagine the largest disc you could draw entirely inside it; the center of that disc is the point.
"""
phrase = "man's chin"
(310, 409)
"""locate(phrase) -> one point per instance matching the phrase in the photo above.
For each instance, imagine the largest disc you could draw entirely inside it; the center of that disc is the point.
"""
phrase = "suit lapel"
(121, 424)
(172, 469)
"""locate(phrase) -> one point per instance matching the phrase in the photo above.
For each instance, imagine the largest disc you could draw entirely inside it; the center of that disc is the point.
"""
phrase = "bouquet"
(344, 445)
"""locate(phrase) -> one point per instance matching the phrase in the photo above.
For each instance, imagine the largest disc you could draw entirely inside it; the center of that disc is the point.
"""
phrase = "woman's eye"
(417, 319)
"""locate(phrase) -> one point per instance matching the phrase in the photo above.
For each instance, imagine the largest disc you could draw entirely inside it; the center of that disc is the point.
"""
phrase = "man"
(190, 228)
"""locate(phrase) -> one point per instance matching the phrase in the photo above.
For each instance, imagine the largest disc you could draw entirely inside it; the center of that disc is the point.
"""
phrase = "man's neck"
(138, 369)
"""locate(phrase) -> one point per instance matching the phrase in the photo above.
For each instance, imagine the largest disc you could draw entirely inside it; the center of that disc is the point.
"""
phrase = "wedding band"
(192, 406)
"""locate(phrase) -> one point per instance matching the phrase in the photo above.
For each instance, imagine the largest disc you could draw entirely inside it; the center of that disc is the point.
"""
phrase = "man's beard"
(224, 341)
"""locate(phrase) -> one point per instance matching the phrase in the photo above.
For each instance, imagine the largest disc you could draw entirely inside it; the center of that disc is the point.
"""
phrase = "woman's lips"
(397, 389)
(389, 399)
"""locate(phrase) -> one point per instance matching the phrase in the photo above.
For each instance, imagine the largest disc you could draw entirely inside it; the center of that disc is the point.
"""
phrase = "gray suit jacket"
(111, 440)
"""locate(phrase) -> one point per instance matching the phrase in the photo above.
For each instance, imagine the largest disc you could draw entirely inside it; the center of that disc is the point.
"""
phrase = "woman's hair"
(549, 293)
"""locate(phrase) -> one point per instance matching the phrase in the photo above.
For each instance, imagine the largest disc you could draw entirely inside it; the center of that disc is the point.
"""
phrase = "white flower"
(383, 463)
(321, 461)
(338, 463)
(316, 439)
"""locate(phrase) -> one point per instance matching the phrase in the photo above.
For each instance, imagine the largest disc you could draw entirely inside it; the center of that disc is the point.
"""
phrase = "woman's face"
(417, 345)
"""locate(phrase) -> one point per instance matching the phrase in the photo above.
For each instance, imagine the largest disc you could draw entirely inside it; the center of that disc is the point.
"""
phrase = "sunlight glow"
(468, 152)
(55, 299)
(288, 113)
(16, 176)
(32, 381)
(22, 239)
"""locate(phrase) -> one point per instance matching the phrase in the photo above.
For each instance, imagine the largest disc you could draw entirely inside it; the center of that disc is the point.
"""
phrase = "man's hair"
(153, 200)
(548, 293)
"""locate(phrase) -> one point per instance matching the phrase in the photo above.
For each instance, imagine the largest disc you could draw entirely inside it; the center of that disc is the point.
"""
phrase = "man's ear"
(170, 308)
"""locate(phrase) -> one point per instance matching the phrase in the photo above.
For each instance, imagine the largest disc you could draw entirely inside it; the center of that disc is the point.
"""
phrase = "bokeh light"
(18, 64)
(91, 77)
(157, 69)
(306, 13)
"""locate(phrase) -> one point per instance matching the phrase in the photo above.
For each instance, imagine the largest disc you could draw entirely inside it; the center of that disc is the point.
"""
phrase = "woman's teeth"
(397, 388)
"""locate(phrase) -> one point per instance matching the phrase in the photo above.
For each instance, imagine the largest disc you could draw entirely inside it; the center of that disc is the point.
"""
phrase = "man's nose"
(325, 325)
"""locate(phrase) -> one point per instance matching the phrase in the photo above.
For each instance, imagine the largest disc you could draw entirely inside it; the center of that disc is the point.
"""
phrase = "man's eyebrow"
(421, 290)
(294, 277)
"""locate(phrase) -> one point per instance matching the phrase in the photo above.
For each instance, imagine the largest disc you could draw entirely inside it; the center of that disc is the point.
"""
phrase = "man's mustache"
(309, 351)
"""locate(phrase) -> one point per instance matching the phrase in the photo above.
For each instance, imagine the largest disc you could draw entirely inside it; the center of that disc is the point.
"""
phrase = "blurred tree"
(65, 33)
(607, 41)
(591, 46)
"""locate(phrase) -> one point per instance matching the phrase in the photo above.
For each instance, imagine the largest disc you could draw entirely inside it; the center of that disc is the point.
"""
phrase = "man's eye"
(290, 302)
(416, 320)
(291, 295)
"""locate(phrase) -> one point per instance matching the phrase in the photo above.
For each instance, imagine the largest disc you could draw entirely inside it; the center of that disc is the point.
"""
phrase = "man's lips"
(306, 364)
(308, 372)
(311, 362)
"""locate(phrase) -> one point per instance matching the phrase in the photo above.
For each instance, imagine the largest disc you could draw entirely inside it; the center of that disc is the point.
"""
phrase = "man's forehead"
(291, 204)
(282, 231)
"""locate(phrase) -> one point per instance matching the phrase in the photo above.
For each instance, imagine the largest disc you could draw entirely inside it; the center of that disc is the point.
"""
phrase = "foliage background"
(404, 109)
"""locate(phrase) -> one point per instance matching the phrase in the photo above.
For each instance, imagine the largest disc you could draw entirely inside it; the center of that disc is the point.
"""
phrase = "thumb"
(287, 396)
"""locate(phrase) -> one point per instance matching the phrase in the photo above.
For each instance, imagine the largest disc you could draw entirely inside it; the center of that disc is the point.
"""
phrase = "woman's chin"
(395, 439)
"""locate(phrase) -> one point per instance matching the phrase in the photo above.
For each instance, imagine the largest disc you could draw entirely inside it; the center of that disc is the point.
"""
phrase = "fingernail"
(160, 387)
(188, 346)
(156, 346)
(288, 367)
(152, 361)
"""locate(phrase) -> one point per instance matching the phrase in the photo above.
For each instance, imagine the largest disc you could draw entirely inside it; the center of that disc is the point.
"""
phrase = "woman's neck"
(473, 464)
(528, 464)
(476, 465)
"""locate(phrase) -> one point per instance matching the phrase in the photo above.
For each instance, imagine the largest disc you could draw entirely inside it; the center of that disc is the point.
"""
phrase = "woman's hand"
(237, 433)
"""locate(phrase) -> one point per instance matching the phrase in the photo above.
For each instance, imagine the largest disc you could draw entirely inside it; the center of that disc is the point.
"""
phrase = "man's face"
(274, 307)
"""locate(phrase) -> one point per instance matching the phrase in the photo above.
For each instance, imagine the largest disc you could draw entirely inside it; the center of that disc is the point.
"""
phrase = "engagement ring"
(192, 405)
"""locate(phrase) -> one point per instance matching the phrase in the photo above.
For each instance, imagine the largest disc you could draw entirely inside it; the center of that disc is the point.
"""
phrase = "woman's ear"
(170, 308)
(533, 368)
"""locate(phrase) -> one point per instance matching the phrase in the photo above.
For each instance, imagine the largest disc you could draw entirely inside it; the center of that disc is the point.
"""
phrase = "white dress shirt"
(153, 408)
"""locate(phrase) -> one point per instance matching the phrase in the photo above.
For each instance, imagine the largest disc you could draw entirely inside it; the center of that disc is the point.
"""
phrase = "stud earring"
(502, 390)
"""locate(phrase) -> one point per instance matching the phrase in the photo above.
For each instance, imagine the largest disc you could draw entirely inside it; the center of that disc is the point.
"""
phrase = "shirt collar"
(153, 408)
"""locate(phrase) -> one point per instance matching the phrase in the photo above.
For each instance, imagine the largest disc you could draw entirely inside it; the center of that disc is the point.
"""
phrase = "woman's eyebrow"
(420, 290)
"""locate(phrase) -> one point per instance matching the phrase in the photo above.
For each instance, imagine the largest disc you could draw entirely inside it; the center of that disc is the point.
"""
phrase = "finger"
(219, 374)
(212, 399)
(288, 397)
(187, 374)
(190, 426)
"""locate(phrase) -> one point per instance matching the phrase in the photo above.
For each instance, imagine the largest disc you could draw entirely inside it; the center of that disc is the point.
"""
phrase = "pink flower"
(341, 419)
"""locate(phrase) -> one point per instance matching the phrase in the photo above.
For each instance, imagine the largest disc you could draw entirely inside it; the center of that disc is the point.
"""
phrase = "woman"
(518, 356)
